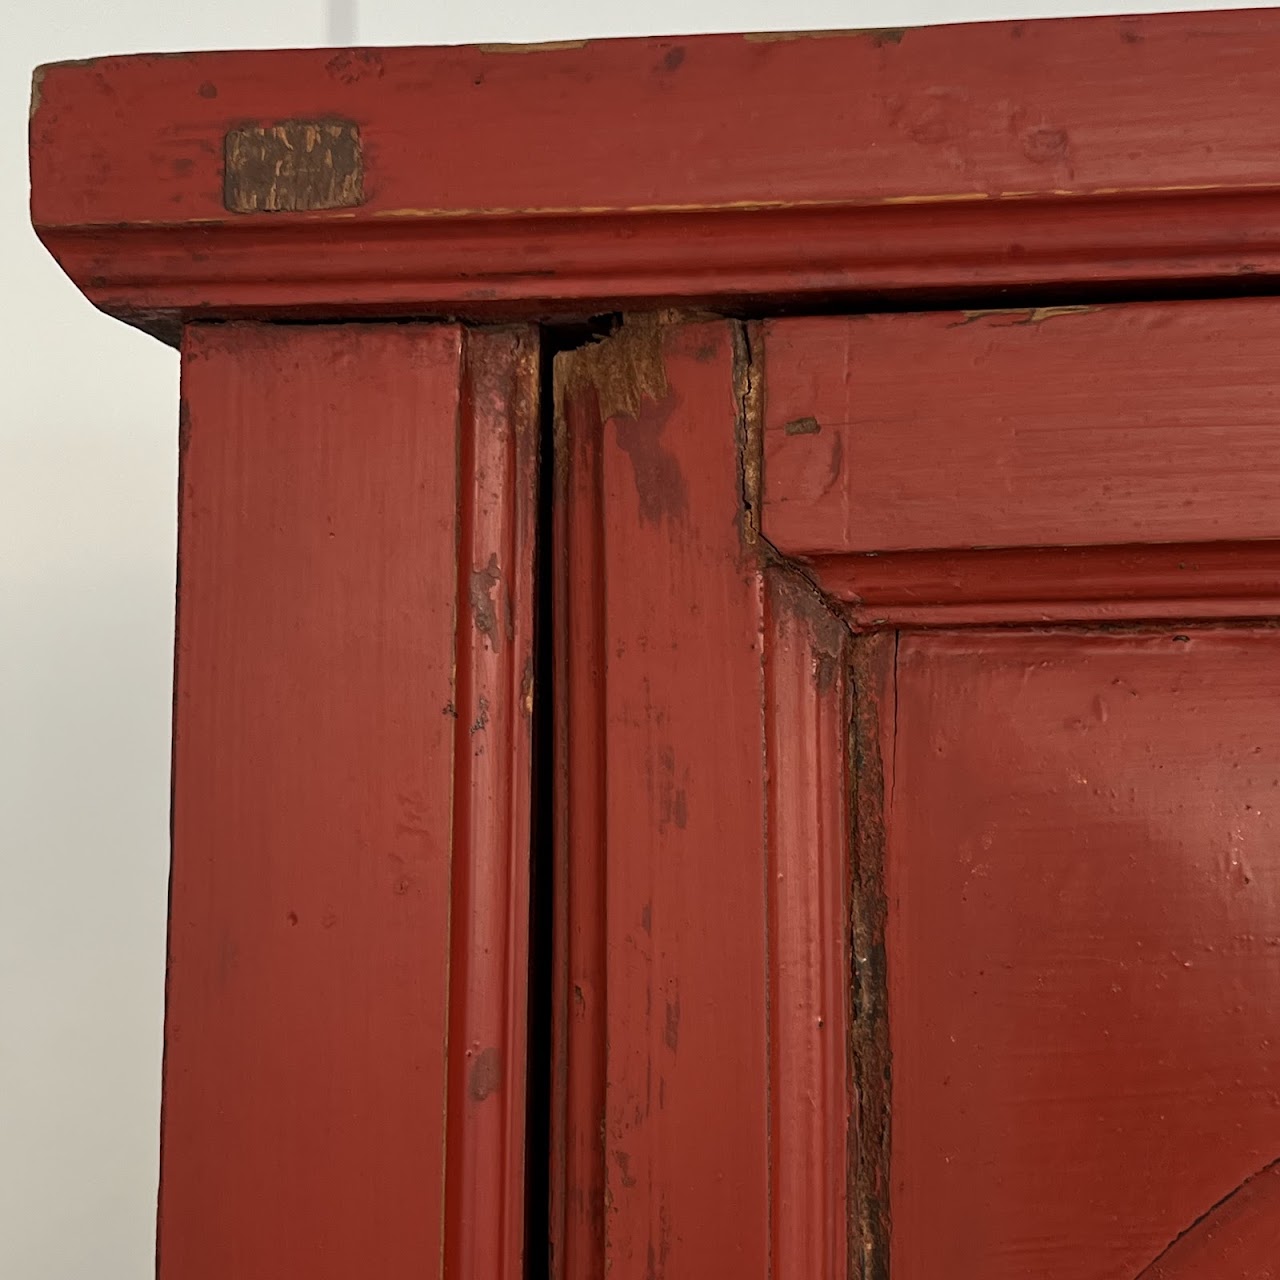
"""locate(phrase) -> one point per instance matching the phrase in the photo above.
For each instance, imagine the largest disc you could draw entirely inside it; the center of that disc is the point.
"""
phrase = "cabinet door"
(344, 1041)
(919, 908)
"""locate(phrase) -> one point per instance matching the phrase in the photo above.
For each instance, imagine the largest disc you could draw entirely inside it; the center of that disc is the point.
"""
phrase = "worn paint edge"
(748, 392)
(868, 660)
(1023, 315)
(256, 174)
(622, 370)
(874, 680)
(37, 91)
(543, 46)
(879, 36)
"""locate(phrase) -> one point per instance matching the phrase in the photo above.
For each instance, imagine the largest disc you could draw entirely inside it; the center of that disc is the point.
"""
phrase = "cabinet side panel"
(304, 1083)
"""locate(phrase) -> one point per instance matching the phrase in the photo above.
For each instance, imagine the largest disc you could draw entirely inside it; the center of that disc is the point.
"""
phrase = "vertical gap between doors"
(540, 1110)
(540, 1049)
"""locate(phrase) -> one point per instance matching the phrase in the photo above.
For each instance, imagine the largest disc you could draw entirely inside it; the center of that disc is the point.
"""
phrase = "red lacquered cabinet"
(727, 712)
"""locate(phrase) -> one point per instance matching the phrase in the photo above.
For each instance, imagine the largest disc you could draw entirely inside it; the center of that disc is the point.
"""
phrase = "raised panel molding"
(1058, 464)
(497, 461)
(807, 708)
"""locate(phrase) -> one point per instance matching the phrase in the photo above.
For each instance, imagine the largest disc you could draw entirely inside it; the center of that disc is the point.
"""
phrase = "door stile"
(713, 819)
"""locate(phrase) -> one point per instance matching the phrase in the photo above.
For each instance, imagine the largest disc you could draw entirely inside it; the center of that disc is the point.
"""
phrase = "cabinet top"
(726, 170)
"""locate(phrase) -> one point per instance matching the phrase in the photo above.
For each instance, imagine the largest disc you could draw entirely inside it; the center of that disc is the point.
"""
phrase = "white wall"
(87, 483)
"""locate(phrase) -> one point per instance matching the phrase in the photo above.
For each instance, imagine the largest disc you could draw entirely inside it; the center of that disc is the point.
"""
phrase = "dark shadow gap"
(570, 325)
(541, 856)
(540, 1108)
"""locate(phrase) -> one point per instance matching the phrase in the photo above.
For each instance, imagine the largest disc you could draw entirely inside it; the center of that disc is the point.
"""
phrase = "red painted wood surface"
(349, 866)
(497, 459)
(945, 430)
(806, 714)
(577, 1172)
(1055, 584)
(1084, 989)
(1096, 463)
(686, 1119)
(1008, 108)
(945, 158)
(703, 1097)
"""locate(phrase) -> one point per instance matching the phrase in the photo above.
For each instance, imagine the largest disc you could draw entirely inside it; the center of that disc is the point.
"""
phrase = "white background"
(88, 436)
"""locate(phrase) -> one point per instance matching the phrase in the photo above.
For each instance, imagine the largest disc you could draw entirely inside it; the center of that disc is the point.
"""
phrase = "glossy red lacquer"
(1084, 989)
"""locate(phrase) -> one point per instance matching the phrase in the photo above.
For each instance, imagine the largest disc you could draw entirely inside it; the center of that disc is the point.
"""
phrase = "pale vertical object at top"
(341, 26)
